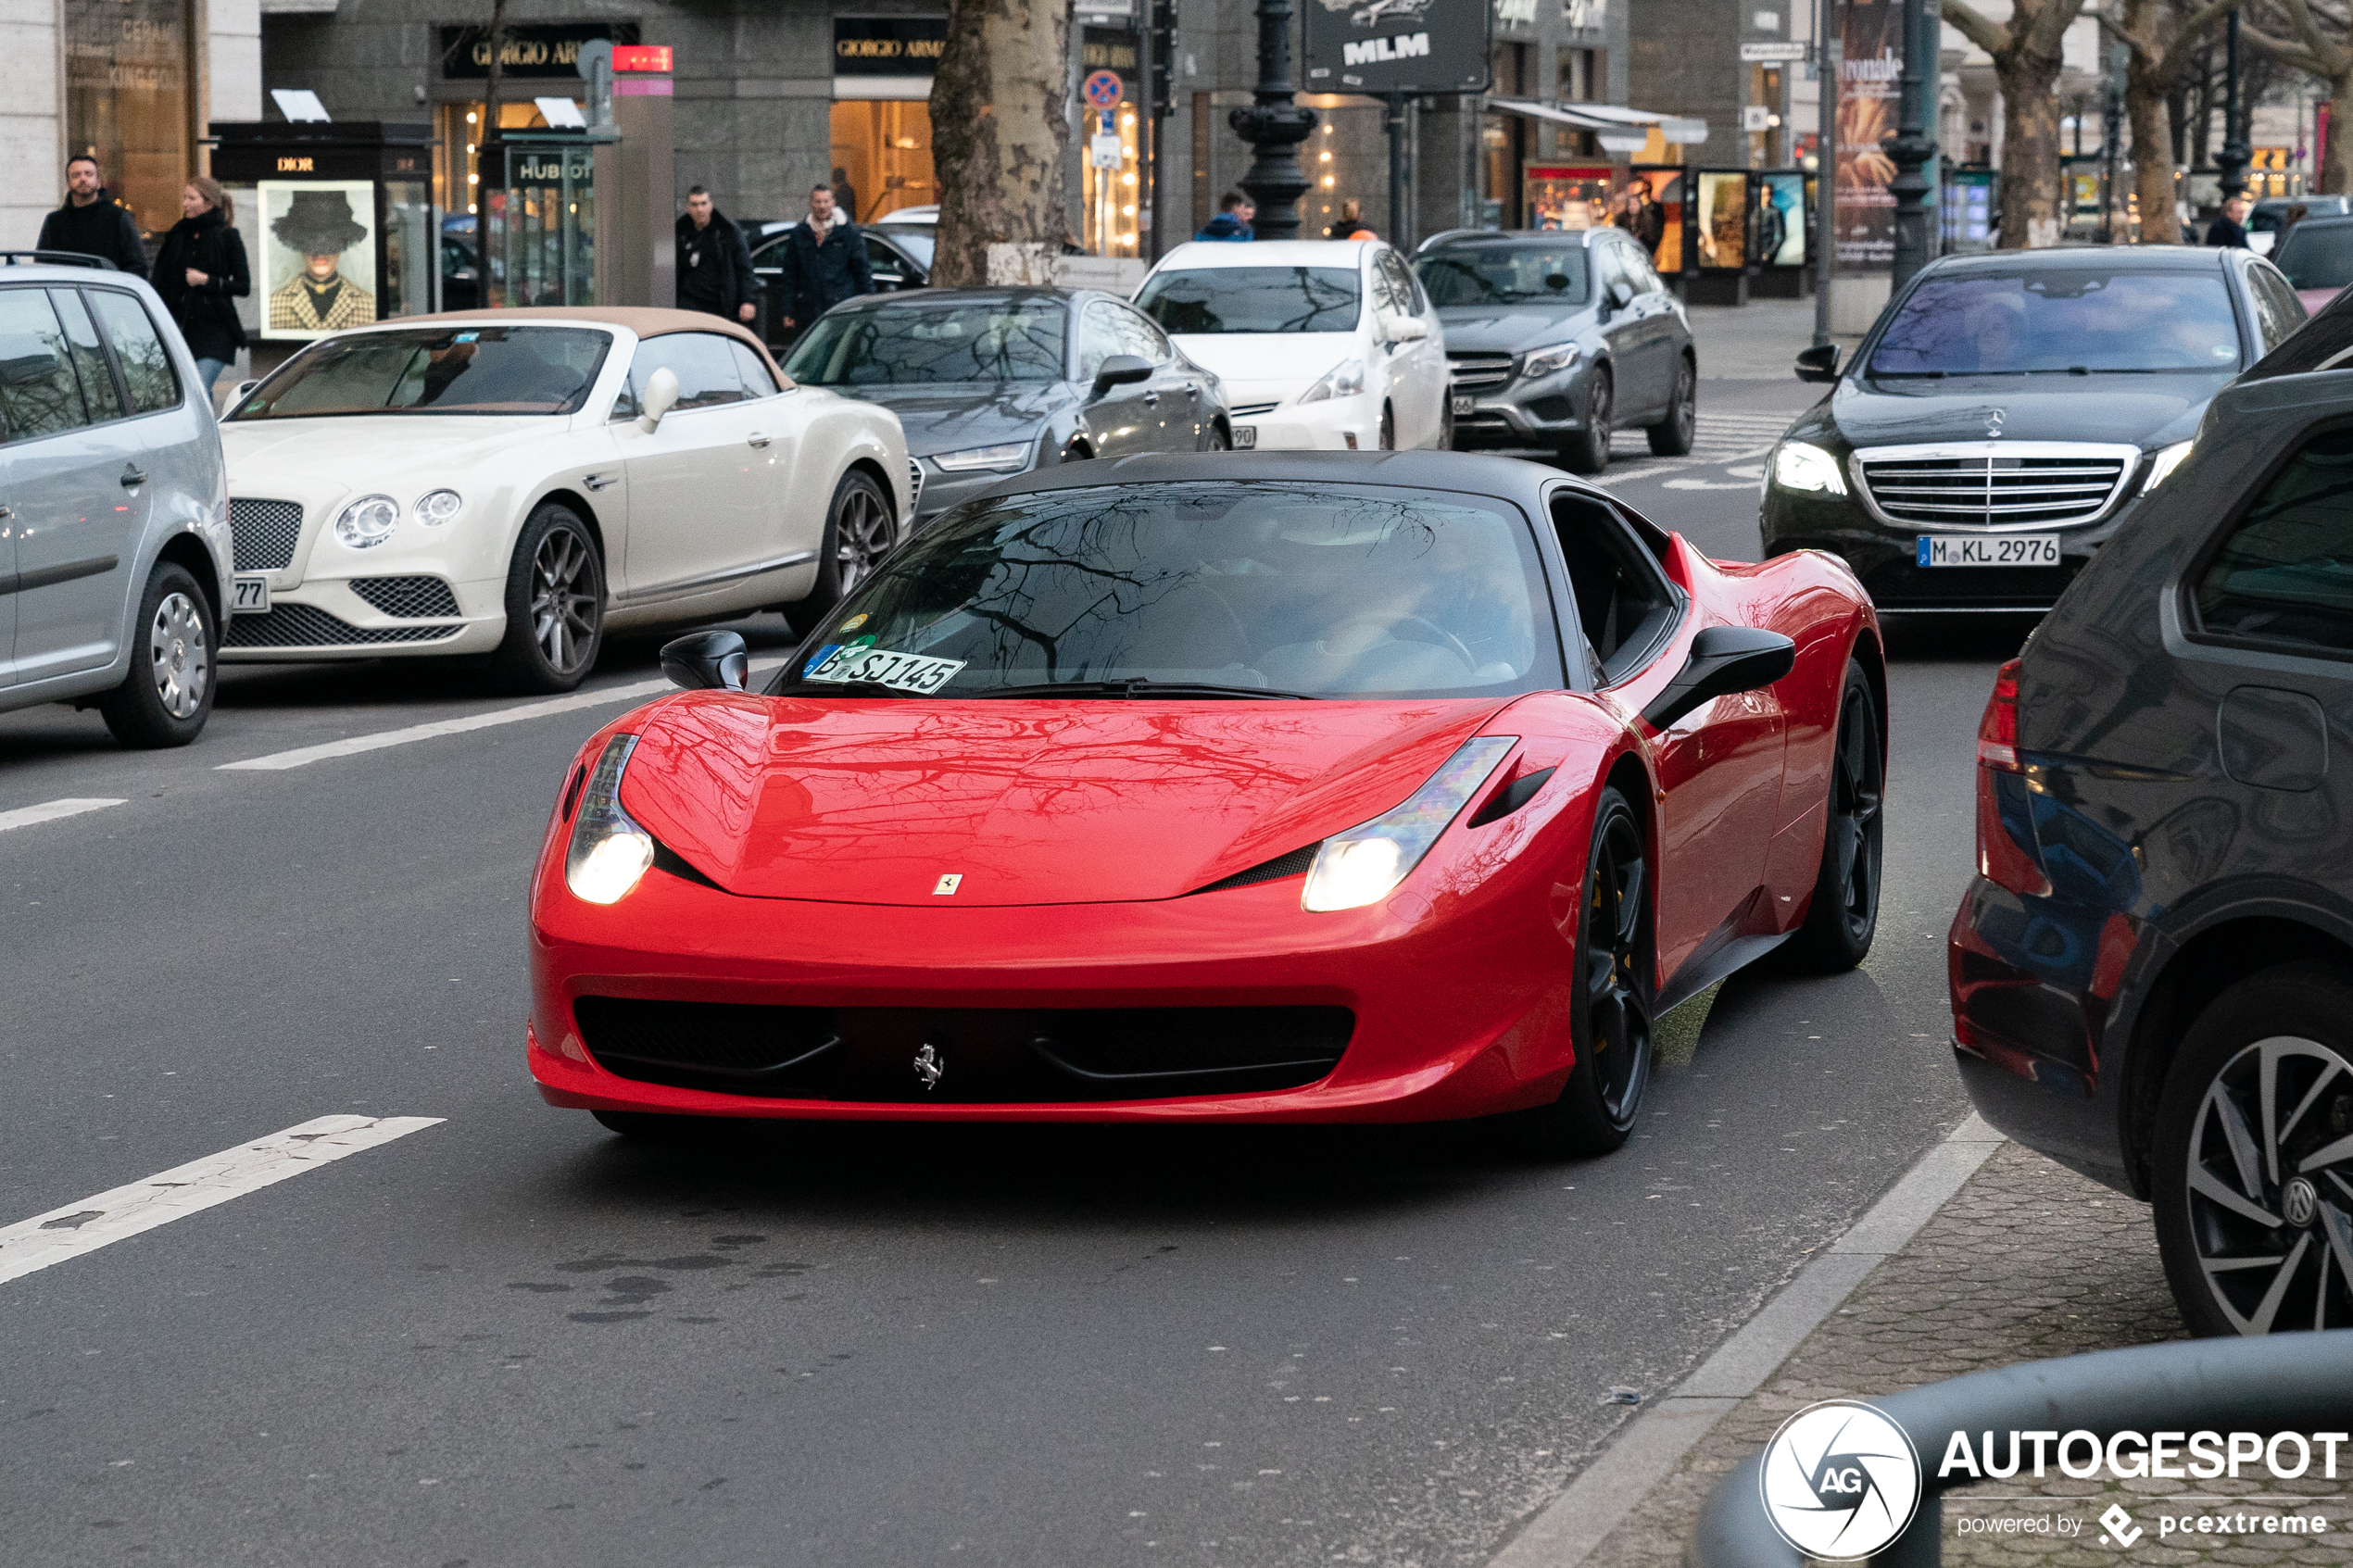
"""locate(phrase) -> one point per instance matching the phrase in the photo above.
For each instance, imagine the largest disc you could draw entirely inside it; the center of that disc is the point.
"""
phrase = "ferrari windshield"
(1252, 299)
(2058, 320)
(452, 369)
(1220, 589)
(918, 340)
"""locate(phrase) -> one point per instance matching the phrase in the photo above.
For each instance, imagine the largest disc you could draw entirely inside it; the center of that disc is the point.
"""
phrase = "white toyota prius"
(514, 483)
(1329, 344)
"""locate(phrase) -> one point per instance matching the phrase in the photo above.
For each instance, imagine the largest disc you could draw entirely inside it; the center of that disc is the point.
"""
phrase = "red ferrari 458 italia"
(1292, 787)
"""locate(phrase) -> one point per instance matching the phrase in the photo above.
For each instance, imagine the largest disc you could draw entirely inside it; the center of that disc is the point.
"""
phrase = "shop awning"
(1620, 129)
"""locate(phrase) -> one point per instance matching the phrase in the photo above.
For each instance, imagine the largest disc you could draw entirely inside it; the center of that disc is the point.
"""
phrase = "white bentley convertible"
(513, 483)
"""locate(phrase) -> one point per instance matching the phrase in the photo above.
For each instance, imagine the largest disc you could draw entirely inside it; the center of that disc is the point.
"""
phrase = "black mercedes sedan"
(991, 381)
(2152, 970)
(2006, 415)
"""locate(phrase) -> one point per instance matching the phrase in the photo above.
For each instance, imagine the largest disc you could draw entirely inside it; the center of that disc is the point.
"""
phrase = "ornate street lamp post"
(1275, 126)
(1912, 147)
(2235, 151)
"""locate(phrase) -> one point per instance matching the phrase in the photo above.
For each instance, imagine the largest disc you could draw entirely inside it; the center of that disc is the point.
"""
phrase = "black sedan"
(896, 260)
(2002, 419)
(993, 382)
(1557, 338)
(2152, 971)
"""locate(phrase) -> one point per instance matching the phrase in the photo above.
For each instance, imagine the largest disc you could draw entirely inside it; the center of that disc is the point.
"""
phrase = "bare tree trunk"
(2031, 216)
(2336, 167)
(2152, 157)
(1000, 136)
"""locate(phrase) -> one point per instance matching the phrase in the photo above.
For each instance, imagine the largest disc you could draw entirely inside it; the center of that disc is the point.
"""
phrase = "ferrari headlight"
(609, 852)
(438, 506)
(1544, 361)
(1797, 465)
(1343, 379)
(2168, 460)
(1014, 455)
(368, 522)
(1363, 865)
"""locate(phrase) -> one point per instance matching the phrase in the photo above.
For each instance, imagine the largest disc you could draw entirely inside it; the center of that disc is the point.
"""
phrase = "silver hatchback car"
(114, 506)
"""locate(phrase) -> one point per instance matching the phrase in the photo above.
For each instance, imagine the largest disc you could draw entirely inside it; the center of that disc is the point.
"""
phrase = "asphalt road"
(511, 1339)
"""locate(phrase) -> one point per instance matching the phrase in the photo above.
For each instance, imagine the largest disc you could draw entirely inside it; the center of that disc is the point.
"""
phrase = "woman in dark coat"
(199, 272)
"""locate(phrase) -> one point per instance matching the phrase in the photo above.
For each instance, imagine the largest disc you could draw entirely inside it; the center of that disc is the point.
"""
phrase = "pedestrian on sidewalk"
(1641, 217)
(200, 270)
(824, 262)
(2228, 232)
(715, 265)
(91, 222)
(1232, 223)
(1352, 223)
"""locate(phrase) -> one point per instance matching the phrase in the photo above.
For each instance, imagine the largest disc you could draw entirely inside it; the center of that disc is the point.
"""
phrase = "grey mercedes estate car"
(2152, 970)
(114, 506)
(1558, 337)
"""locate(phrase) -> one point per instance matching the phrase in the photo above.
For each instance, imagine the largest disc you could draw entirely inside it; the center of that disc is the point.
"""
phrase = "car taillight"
(2005, 837)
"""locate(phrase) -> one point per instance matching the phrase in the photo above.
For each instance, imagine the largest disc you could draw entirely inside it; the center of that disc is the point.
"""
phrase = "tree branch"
(2191, 34)
(1971, 24)
(2301, 15)
(2294, 56)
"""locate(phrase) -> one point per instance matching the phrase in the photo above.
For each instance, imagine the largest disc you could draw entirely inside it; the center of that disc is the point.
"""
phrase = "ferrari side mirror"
(1819, 363)
(706, 661)
(661, 395)
(1724, 660)
(1120, 370)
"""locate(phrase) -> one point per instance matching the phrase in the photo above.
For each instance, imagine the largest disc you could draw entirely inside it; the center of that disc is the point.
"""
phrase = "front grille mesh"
(914, 483)
(263, 533)
(308, 626)
(408, 598)
(1479, 373)
(1293, 864)
(1251, 410)
(1993, 491)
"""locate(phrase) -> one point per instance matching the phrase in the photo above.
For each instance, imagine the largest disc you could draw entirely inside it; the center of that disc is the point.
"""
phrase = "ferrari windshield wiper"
(1140, 688)
(843, 688)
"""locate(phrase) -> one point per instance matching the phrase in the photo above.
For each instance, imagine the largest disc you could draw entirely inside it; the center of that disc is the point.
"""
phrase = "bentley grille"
(1994, 485)
(263, 533)
(408, 598)
(308, 626)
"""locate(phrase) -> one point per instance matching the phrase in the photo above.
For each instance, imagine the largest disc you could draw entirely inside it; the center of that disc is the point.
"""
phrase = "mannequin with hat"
(319, 227)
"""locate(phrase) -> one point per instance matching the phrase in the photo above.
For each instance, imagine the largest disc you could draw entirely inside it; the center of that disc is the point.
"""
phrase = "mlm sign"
(1380, 46)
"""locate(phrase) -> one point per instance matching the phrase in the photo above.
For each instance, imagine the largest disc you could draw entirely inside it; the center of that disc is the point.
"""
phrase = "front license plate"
(1245, 437)
(249, 592)
(1999, 549)
(1463, 404)
(907, 671)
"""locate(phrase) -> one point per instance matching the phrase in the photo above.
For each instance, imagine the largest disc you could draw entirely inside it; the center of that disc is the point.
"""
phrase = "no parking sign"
(1103, 90)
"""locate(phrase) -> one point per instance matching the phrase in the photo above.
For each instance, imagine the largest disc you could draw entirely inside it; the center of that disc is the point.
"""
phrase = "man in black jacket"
(824, 262)
(92, 222)
(715, 265)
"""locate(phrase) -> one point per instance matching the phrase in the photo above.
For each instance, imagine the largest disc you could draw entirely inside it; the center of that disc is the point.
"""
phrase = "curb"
(1563, 1533)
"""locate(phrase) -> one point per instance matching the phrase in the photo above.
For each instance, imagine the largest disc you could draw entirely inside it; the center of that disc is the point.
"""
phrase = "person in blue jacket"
(824, 262)
(1232, 221)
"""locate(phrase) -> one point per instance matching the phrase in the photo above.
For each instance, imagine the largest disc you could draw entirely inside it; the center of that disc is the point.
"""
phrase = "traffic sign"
(1103, 89)
(1775, 52)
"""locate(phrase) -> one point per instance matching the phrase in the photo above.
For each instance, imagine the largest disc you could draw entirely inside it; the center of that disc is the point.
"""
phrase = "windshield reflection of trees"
(1254, 299)
(887, 346)
(1203, 584)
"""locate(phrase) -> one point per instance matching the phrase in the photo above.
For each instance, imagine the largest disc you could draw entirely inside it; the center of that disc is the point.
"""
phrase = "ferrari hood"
(1070, 802)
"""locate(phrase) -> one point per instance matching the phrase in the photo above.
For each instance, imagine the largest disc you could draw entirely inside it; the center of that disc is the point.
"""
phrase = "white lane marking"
(50, 811)
(65, 1233)
(302, 757)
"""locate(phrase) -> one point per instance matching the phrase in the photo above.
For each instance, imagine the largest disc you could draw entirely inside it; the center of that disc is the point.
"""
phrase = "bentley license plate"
(249, 592)
(1989, 549)
(1463, 404)
(1245, 437)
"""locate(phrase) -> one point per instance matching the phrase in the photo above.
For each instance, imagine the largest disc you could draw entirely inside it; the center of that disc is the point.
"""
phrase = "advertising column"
(1870, 67)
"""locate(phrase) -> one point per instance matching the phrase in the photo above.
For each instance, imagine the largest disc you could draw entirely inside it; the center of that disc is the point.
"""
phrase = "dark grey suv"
(1555, 338)
(114, 506)
(2152, 971)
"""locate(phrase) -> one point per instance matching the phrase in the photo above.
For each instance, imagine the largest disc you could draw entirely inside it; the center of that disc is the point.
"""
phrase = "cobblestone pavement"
(2027, 1261)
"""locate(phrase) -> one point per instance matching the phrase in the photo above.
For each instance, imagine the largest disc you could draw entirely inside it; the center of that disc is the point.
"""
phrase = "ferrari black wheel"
(1601, 1102)
(1844, 914)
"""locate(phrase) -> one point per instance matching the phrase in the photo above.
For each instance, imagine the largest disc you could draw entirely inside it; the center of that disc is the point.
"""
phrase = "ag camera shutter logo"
(1841, 1480)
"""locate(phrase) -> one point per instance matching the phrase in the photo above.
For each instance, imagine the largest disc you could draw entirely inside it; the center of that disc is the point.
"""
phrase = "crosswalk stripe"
(50, 811)
(69, 1232)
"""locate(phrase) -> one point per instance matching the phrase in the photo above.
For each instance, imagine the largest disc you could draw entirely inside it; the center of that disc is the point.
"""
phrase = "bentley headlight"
(1014, 455)
(1797, 465)
(1364, 864)
(1544, 361)
(1343, 379)
(437, 507)
(368, 522)
(2168, 460)
(609, 852)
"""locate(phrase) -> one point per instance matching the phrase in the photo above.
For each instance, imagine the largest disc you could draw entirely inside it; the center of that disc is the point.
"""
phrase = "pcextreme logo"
(1841, 1480)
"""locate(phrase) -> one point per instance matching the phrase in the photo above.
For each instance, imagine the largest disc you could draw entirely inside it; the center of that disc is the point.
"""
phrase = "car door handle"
(599, 481)
(756, 439)
(134, 478)
(1192, 391)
